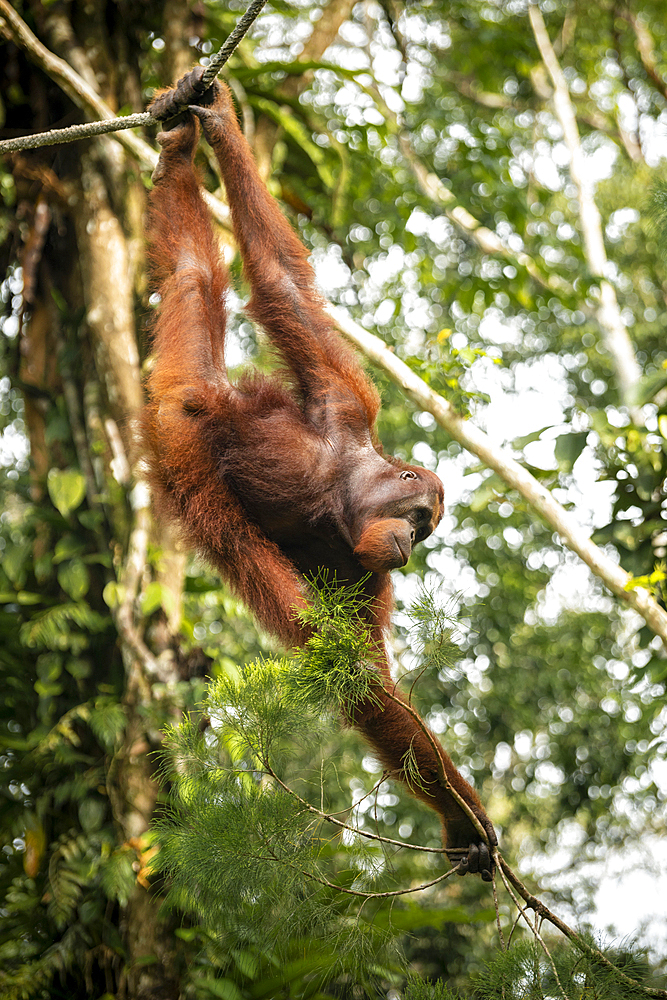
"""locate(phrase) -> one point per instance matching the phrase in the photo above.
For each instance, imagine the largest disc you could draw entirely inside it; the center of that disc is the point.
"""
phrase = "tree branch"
(442, 774)
(14, 28)
(614, 331)
(534, 930)
(433, 188)
(380, 895)
(514, 474)
(644, 46)
(486, 239)
(510, 879)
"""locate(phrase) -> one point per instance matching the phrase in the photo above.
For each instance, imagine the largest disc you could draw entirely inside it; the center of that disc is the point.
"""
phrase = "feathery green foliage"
(420, 989)
(434, 627)
(243, 855)
(336, 665)
(525, 972)
(237, 847)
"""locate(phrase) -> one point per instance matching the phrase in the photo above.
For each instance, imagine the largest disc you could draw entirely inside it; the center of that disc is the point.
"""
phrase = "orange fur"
(271, 484)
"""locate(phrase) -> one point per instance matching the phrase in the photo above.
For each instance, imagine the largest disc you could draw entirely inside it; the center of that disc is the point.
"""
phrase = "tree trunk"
(81, 213)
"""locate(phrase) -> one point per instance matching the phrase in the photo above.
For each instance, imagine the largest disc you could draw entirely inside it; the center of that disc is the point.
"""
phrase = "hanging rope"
(85, 131)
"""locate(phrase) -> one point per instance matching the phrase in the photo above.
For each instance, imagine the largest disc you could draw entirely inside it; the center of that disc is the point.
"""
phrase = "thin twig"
(330, 818)
(514, 927)
(501, 936)
(352, 892)
(412, 686)
(380, 895)
(535, 931)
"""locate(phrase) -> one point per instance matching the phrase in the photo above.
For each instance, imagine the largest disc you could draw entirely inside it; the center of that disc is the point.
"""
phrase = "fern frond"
(50, 629)
(33, 977)
(118, 876)
(65, 882)
(107, 721)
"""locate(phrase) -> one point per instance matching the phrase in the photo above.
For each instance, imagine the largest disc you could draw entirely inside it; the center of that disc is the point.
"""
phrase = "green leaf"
(49, 667)
(67, 488)
(48, 690)
(156, 596)
(492, 488)
(79, 669)
(186, 933)
(113, 594)
(525, 439)
(107, 721)
(22, 597)
(50, 628)
(91, 813)
(568, 449)
(247, 963)
(224, 988)
(648, 387)
(296, 68)
(91, 519)
(66, 547)
(74, 578)
(14, 561)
